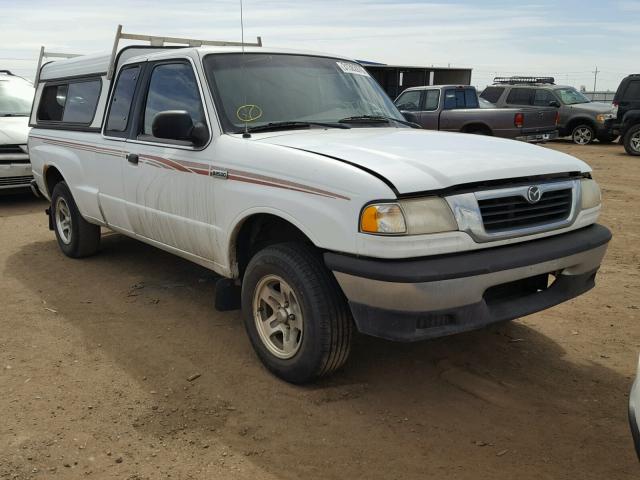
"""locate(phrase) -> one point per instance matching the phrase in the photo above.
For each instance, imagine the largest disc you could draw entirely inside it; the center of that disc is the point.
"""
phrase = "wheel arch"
(259, 229)
(574, 122)
(475, 127)
(52, 176)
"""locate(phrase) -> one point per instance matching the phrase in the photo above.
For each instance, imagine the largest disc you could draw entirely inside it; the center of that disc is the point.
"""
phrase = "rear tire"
(295, 313)
(632, 140)
(583, 134)
(76, 237)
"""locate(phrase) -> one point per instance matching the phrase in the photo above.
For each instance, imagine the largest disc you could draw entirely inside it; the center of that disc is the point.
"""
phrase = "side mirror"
(178, 125)
(554, 103)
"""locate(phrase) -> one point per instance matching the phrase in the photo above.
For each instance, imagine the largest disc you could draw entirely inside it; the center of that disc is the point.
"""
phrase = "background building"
(396, 78)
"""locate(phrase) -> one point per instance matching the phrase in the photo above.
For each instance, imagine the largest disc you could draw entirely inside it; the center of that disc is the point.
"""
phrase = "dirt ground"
(95, 357)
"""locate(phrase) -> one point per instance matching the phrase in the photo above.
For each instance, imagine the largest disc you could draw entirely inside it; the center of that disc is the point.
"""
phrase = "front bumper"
(15, 175)
(415, 299)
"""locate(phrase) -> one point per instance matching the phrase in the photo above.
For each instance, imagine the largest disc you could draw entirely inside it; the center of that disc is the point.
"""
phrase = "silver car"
(16, 96)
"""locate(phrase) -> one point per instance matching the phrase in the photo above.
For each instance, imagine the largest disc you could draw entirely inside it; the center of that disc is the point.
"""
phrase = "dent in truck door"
(169, 194)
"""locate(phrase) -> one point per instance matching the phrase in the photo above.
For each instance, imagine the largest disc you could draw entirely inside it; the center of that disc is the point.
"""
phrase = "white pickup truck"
(294, 177)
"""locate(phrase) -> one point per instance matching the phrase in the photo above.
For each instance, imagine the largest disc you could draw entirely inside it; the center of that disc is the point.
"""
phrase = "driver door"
(168, 191)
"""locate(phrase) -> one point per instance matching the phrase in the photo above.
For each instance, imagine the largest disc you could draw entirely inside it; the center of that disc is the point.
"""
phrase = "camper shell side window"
(69, 104)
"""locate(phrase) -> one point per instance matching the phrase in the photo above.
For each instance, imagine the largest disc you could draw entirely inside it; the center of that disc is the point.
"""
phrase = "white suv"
(16, 95)
(293, 176)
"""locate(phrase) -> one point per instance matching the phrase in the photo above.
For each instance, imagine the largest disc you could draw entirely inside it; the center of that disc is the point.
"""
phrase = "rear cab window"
(70, 103)
(460, 98)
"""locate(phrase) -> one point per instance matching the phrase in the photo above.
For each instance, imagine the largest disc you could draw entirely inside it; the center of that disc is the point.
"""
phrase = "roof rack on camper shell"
(44, 54)
(516, 80)
(154, 41)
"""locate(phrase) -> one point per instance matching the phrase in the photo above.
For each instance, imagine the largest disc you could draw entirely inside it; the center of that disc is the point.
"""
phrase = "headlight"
(410, 217)
(385, 218)
(602, 117)
(590, 193)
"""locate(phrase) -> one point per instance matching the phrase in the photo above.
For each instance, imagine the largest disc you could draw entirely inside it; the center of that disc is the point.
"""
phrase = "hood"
(593, 107)
(420, 160)
(14, 130)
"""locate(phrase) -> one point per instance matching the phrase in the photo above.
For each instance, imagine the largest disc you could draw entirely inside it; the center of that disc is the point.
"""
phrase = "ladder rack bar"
(157, 41)
(44, 54)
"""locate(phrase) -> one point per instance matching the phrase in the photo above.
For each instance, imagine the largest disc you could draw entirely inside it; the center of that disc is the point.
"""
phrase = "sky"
(564, 39)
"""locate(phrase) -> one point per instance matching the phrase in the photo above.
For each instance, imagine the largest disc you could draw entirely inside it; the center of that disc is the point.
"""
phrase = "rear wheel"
(582, 134)
(76, 237)
(295, 314)
(632, 140)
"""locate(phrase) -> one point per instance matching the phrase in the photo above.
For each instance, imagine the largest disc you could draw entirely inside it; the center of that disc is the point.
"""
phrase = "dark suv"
(579, 117)
(626, 106)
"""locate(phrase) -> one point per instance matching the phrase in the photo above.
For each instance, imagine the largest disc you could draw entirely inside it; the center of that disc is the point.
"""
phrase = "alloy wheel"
(278, 316)
(63, 220)
(582, 135)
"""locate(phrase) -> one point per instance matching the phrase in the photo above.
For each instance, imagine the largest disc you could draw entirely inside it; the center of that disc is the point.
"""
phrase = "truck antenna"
(246, 133)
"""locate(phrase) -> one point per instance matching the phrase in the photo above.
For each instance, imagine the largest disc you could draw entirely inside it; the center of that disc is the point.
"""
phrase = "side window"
(172, 86)
(431, 100)
(632, 92)
(492, 94)
(521, 96)
(70, 103)
(470, 98)
(52, 103)
(409, 101)
(543, 98)
(121, 101)
(82, 99)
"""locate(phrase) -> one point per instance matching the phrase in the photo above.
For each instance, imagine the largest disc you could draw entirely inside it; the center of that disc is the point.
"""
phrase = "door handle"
(132, 158)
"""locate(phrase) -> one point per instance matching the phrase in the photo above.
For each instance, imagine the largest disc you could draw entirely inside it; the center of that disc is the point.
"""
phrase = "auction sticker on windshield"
(353, 68)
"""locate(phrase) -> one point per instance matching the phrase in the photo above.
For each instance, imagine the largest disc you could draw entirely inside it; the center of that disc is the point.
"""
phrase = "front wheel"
(295, 314)
(583, 134)
(632, 140)
(76, 237)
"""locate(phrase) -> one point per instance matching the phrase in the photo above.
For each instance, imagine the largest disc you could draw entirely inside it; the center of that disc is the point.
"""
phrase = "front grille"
(9, 181)
(514, 212)
(10, 149)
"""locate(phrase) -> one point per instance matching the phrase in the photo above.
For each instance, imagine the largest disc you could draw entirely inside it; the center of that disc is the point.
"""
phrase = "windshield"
(257, 89)
(15, 98)
(571, 96)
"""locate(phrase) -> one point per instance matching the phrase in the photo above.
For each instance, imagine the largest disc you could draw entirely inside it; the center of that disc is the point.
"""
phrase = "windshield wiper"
(13, 115)
(377, 119)
(286, 125)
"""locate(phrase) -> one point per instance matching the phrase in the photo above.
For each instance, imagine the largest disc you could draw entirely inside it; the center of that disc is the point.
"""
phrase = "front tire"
(632, 140)
(76, 237)
(583, 134)
(295, 314)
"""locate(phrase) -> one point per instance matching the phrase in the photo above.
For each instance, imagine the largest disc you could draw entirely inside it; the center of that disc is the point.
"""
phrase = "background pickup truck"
(455, 108)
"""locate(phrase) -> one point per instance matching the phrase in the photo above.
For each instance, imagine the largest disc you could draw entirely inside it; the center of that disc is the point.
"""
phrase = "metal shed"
(396, 78)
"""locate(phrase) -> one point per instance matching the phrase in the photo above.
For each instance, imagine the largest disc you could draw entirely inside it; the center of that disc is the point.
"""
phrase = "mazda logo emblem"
(533, 194)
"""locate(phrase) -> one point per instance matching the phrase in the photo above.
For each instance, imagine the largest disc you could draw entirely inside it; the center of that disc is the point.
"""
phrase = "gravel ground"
(97, 359)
